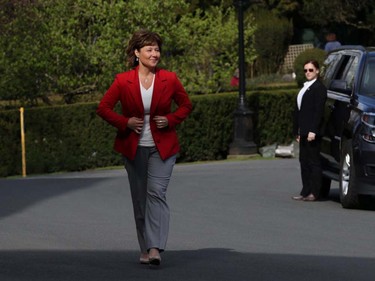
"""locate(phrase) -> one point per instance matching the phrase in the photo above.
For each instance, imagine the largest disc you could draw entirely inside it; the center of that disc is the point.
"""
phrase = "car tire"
(348, 194)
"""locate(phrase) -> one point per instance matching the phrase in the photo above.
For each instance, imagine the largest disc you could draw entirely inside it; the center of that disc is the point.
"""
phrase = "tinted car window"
(350, 72)
(329, 67)
(345, 62)
(368, 82)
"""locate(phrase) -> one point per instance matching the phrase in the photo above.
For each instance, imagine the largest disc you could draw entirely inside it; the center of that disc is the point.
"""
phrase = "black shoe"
(154, 261)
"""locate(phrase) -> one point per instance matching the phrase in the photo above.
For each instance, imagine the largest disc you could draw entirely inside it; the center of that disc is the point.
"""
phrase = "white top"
(306, 85)
(146, 136)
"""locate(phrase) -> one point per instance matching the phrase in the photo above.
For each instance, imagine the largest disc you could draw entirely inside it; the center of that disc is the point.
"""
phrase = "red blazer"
(126, 90)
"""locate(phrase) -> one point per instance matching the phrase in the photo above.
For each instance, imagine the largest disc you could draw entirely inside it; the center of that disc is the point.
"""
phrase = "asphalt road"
(230, 220)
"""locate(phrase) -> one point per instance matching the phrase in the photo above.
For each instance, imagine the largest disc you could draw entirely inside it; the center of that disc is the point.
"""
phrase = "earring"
(136, 58)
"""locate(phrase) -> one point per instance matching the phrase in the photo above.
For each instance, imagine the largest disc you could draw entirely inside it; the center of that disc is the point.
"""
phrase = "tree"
(272, 38)
(73, 47)
(21, 43)
(355, 19)
(207, 42)
(280, 8)
(207, 4)
(355, 13)
(85, 45)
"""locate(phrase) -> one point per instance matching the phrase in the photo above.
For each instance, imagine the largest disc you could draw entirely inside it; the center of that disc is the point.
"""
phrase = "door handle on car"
(331, 107)
(350, 106)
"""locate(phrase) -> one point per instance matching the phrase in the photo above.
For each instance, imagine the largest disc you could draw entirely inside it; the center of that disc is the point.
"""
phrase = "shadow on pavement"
(18, 194)
(202, 264)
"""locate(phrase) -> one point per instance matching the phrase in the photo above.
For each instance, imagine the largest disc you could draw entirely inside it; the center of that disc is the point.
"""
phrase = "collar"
(309, 83)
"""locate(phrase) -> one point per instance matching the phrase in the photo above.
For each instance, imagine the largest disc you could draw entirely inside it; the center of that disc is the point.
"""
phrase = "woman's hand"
(135, 124)
(311, 136)
(161, 121)
(297, 138)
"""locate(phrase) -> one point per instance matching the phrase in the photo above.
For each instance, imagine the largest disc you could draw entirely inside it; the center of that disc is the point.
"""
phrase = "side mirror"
(340, 86)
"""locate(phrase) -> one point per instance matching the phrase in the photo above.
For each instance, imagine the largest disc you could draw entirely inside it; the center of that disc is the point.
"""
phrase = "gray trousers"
(149, 177)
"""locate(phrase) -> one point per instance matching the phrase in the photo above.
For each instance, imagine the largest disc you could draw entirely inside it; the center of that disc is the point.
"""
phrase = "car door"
(339, 79)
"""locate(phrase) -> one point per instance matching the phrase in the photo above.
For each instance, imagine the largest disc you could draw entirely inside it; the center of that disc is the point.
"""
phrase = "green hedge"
(73, 137)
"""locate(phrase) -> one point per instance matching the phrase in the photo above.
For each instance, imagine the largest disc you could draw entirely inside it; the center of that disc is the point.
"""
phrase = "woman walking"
(147, 136)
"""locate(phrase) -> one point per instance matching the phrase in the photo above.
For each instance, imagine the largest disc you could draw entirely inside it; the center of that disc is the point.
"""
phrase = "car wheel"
(348, 194)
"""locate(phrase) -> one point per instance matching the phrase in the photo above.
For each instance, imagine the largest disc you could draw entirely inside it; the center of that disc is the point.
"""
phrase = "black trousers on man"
(311, 168)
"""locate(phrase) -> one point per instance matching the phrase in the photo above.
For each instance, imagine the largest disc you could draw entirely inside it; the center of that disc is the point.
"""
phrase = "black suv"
(348, 146)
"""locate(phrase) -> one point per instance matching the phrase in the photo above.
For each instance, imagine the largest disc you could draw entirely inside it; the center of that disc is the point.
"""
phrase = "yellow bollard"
(23, 143)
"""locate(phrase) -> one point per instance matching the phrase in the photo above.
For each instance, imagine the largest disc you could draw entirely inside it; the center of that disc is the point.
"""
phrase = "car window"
(368, 81)
(350, 71)
(343, 74)
(329, 67)
(344, 64)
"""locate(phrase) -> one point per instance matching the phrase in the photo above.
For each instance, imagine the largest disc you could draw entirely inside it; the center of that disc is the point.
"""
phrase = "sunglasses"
(309, 70)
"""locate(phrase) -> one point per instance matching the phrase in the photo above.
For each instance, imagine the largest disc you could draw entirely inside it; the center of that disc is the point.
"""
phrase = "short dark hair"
(313, 62)
(140, 39)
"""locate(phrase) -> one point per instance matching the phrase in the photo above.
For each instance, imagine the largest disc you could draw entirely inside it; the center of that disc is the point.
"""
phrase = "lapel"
(159, 88)
(308, 90)
(135, 90)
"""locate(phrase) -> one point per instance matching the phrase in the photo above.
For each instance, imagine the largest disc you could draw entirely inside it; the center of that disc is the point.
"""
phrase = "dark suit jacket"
(310, 117)
(126, 90)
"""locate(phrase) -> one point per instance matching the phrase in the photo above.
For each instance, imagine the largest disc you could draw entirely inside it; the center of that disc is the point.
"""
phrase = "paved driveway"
(230, 220)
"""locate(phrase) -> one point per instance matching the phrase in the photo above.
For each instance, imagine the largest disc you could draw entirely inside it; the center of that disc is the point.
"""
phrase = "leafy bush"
(73, 138)
(310, 54)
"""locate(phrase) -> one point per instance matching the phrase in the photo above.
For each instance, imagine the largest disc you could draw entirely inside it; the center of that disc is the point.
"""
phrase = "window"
(350, 70)
(329, 67)
(343, 74)
(368, 81)
(344, 64)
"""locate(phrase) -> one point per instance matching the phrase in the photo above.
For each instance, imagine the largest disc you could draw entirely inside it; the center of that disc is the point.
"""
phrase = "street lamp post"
(243, 143)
